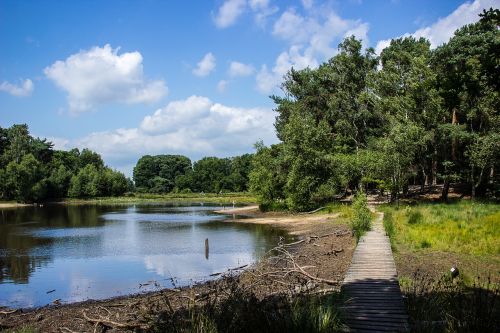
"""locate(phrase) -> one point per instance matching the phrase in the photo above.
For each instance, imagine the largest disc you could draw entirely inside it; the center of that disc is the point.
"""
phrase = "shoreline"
(319, 236)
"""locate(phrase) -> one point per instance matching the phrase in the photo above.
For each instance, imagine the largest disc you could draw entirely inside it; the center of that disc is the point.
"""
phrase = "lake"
(74, 253)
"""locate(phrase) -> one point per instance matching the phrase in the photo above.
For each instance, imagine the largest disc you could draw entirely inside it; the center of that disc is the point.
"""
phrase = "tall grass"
(361, 221)
(451, 305)
(464, 227)
(239, 310)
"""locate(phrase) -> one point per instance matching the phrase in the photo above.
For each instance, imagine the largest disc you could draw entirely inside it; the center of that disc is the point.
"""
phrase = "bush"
(361, 221)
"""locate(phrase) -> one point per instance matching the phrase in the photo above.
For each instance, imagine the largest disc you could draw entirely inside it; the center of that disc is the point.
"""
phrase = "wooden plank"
(375, 302)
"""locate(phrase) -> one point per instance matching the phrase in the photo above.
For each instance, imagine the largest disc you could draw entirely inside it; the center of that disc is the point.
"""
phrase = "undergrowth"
(451, 305)
(241, 311)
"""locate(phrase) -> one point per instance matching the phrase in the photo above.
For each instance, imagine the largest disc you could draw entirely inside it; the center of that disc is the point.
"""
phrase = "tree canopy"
(167, 173)
(31, 170)
(409, 116)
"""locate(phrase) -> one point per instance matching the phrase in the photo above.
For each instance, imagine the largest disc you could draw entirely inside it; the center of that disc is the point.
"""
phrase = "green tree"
(85, 183)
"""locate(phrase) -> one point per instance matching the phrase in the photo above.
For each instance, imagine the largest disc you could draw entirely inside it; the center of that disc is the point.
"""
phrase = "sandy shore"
(12, 205)
(295, 224)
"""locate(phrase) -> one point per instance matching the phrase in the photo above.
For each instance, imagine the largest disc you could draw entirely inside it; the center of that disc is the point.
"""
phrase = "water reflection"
(102, 251)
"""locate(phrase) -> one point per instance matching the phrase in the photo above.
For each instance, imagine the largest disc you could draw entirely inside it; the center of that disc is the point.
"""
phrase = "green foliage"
(389, 224)
(158, 174)
(421, 115)
(361, 221)
(173, 173)
(31, 171)
(414, 217)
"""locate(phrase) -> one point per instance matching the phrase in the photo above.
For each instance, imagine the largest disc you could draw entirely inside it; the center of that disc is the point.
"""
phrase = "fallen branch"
(9, 312)
(111, 323)
(314, 211)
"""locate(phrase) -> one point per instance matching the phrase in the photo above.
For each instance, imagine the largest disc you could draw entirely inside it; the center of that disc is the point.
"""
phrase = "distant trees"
(167, 173)
(158, 173)
(411, 116)
(31, 170)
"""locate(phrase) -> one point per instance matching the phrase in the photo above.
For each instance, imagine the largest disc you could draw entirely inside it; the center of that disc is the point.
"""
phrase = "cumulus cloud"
(240, 69)
(101, 75)
(195, 126)
(205, 66)
(442, 30)
(229, 12)
(25, 88)
(313, 38)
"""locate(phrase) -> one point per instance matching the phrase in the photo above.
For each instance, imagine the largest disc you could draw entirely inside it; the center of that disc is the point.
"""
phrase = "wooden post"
(206, 248)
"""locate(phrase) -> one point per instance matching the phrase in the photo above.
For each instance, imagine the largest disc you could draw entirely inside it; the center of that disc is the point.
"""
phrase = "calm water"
(74, 253)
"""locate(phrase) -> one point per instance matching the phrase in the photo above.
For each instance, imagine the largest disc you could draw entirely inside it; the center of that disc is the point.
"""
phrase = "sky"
(128, 78)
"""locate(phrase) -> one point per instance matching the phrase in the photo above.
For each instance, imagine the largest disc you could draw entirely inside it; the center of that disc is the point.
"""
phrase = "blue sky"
(126, 78)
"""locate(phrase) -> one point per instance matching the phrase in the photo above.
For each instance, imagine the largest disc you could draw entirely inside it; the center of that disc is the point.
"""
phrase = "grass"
(451, 304)
(464, 227)
(240, 310)
(222, 198)
(428, 238)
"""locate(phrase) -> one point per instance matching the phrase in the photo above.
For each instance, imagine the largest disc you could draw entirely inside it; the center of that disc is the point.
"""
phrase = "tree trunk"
(473, 189)
(434, 169)
(454, 121)
(446, 189)
(423, 180)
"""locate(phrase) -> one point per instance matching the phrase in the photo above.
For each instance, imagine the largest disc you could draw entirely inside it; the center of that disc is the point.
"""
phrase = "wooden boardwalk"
(375, 303)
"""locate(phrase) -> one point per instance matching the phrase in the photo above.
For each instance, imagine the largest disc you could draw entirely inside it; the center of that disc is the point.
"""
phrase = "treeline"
(31, 170)
(176, 173)
(410, 116)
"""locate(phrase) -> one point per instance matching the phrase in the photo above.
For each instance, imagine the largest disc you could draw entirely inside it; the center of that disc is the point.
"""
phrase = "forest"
(32, 171)
(176, 173)
(411, 116)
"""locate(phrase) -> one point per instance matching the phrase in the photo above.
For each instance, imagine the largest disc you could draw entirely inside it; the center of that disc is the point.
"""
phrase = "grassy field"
(465, 227)
(427, 240)
(240, 198)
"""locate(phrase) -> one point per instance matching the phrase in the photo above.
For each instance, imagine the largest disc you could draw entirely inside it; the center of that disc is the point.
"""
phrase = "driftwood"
(8, 312)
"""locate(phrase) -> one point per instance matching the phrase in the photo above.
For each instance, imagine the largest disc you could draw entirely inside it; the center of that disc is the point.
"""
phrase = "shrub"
(361, 221)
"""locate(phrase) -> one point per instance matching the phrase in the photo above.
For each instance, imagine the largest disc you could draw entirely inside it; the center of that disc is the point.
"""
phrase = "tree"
(158, 173)
(210, 174)
(469, 83)
(85, 183)
(24, 181)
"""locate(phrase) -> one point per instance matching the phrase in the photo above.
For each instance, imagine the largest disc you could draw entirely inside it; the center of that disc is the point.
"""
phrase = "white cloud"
(101, 75)
(229, 12)
(258, 4)
(205, 66)
(239, 69)
(312, 37)
(24, 89)
(442, 30)
(195, 127)
(307, 4)
(221, 86)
